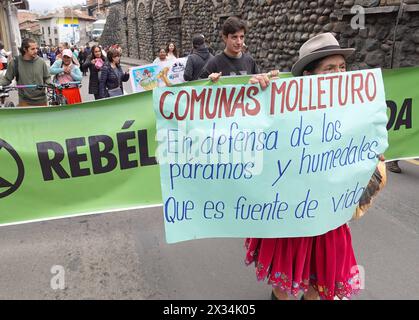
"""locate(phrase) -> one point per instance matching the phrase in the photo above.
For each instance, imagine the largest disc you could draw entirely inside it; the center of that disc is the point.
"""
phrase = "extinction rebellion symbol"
(11, 182)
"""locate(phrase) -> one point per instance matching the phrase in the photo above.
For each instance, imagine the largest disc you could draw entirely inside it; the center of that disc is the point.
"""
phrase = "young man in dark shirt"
(232, 61)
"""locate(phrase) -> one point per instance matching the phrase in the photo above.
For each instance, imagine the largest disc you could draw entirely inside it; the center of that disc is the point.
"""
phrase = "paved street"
(124, 255)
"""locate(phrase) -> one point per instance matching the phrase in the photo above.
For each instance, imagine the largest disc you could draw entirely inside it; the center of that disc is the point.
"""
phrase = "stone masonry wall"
(131, 24)
(277, 28)
(145, 33)
(198, 19)
(114, 32)
(160, 15)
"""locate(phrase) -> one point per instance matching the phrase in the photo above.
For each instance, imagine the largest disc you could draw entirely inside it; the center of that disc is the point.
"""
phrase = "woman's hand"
(273, 74)
(261, 79)
(215, 76)
(67, 69)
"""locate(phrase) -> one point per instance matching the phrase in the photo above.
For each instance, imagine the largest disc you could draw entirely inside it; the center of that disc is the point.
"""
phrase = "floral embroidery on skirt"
(326, 262)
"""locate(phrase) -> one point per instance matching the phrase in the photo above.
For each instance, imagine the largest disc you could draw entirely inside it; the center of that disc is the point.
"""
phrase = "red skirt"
(72, 95)
(326, 262)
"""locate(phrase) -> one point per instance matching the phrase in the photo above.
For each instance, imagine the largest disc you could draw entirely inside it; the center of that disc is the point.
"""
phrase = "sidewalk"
(133, 62)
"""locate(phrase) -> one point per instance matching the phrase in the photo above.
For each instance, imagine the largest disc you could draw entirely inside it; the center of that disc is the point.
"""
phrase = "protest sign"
(291, 161)
(150, 76)
(145, 77)
(172, 71)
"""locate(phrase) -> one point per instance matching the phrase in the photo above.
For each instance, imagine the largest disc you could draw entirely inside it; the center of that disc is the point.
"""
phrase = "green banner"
(92, 157)
(99, 156)
(402, 95)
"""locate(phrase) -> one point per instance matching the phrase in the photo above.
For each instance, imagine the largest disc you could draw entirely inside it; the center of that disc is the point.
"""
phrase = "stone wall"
(114, 32)
(374, 44)
(160, 14)
(277, 28)
(132, 27)
(145, 32)
(198, 19)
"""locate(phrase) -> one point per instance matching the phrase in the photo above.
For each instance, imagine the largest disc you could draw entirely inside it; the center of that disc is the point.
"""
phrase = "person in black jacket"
(82, 59)
(197, 59)
(112, 75)
(94, 63)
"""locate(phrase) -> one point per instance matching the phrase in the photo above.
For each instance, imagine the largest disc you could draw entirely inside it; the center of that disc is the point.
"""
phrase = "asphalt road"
(124, 255)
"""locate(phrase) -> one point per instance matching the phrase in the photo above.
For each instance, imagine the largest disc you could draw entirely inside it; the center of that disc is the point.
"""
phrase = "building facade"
(65, 25)
(29, 25)
(9, 25)
(389, 36)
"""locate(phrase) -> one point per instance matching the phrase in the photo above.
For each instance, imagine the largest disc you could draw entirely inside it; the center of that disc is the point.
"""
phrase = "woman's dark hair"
(26, 43)
(233, 25)
(112, 53)
(92, 54)
(1, 45)
(174, 51)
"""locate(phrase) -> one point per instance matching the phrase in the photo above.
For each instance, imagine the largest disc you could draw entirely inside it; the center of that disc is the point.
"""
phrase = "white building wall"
(65, 34)
(51, 36)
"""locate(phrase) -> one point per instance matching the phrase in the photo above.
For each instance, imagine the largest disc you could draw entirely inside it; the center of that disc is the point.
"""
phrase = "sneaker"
(393, 166)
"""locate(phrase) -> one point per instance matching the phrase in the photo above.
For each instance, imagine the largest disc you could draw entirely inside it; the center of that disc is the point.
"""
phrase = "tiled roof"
(67, 13)
(31, 26)
(23, 16)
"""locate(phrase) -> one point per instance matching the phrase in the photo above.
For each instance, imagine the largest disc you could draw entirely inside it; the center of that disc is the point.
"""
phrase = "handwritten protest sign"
(290, 161)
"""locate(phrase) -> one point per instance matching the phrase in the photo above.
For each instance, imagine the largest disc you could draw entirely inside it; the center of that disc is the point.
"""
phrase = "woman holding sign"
(161, 57)
(321, 266)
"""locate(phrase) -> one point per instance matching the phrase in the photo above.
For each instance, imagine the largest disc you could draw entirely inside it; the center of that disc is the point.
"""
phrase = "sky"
(41, 5)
